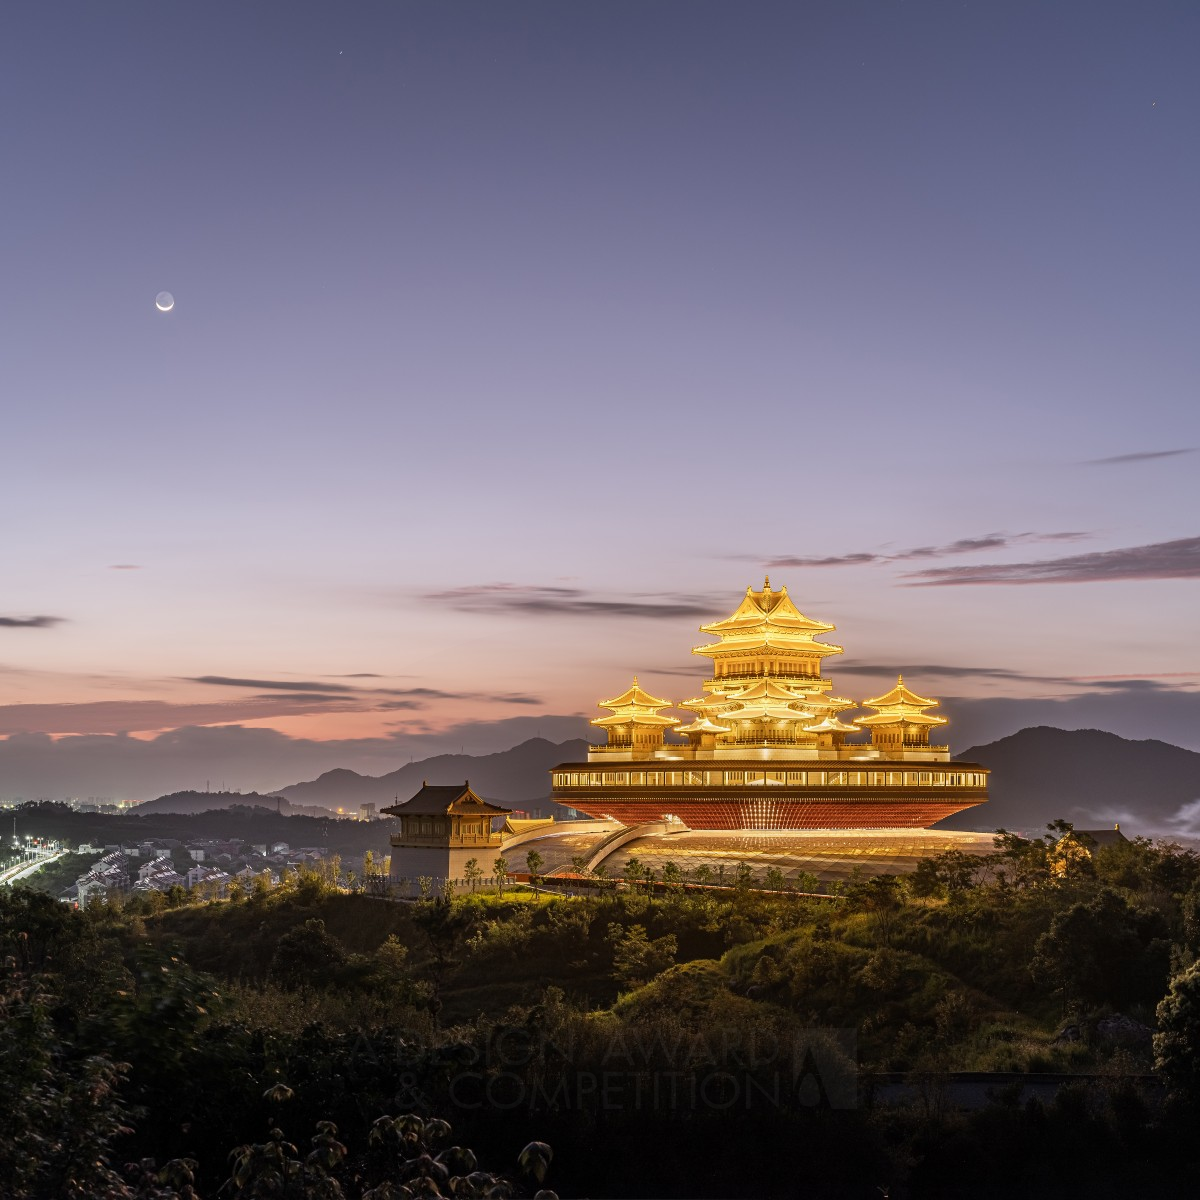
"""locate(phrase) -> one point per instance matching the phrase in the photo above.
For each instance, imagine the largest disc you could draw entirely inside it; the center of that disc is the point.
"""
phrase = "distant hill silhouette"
(251, 823)
(198, 802)
(519, 777)
(1086, 776)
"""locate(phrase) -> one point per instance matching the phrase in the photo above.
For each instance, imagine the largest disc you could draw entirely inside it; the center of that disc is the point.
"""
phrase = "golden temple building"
(768, 746)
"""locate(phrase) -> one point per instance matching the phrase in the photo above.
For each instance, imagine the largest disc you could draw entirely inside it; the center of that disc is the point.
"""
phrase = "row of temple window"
(769, 778)
(433, 826)
(757, 669)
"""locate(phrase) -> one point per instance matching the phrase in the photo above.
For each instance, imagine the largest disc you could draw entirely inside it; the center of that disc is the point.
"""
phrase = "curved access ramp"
(558, 829)
(630, 833)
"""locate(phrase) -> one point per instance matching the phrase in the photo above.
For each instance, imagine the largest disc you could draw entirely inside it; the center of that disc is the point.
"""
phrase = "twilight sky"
(513, 340)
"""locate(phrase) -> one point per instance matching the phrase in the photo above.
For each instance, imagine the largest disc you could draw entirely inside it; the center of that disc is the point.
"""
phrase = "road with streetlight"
(26, 867)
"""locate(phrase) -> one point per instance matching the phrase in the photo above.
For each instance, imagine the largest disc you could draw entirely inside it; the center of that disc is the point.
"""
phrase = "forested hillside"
(705, 1036)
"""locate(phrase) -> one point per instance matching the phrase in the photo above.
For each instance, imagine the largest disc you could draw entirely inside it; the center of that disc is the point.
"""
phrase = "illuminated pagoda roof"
(766, 700)
(767, 710)
(901, 705)
(768, 746)
(635, 706)
(828, 703)
(766, 619)
(765, 609)
(703, 725)
(764, 689)
(900, 694)
(830, 724)
(635, 696)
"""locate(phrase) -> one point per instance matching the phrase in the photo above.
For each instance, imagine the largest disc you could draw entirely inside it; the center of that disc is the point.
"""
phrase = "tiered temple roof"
(900, 706)
(767, 694)
(766, 685)
(445, 800)
(830, 724)
(635, 706)
(702, 725)
(764, 610)
(767, 621)
(765, 700)
(769, 746)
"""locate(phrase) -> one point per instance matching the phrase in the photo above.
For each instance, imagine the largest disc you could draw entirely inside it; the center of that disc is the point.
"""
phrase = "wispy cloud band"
(1138, 456)
(413, 695)
(30, 622)
(1159, 681)
(536, 600)
(275, 685)
(967, 545)
(1179, 559)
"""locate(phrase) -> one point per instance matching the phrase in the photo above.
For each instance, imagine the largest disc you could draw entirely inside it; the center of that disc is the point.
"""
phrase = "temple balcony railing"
(641, 751)
(724, 749)
(607, 749)
(684, 748)
(807, 743)
(885, 748)
(741, 676)
(875, 775)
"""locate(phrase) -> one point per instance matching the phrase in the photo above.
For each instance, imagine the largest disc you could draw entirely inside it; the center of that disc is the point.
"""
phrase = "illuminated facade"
(767, 746)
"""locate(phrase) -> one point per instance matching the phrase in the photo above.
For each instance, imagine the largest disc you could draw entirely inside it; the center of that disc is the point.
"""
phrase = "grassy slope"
(896, 1000)
(938, 981)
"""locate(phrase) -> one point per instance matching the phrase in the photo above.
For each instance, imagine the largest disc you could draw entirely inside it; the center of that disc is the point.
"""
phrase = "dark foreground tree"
(61, 1112)
(1177, 1042)
(305, 956)
(1102, 951)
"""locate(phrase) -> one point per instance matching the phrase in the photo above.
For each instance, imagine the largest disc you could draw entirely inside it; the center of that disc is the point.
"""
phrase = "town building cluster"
(211, 864)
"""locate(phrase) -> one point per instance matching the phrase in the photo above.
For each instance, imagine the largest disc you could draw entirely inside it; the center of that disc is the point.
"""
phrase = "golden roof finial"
(635, 681)
(899, 678)
(766, 583)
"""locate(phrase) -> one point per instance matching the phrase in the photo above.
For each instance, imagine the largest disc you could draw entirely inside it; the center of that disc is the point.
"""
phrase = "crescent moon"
(164, 302)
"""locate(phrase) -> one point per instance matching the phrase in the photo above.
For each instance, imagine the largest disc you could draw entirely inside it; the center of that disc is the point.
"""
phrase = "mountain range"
(1086, 776)
(520, 777)
(199, 802)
